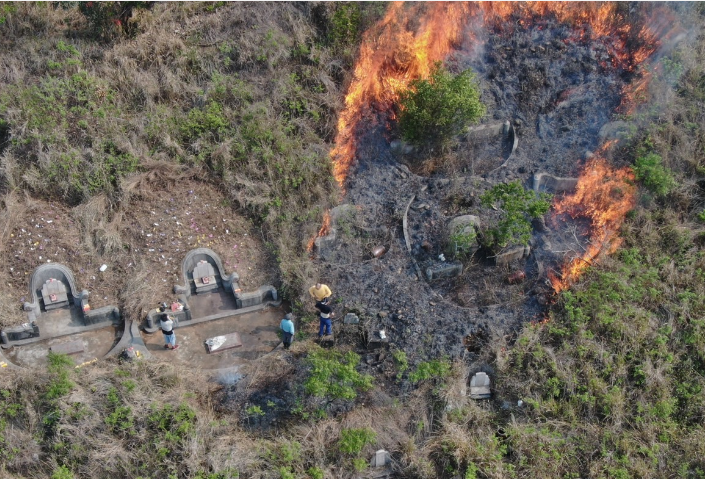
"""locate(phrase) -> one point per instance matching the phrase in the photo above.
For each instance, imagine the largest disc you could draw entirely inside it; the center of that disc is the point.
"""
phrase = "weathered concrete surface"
(512, 254)
(96, 344)
(258, 333)
(444, 270)
(543, 182)
(480, 386)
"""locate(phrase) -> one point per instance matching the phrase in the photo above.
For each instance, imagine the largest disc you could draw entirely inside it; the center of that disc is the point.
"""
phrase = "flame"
(325, 229)
(406, 43)
(402, 47)
(604, 196)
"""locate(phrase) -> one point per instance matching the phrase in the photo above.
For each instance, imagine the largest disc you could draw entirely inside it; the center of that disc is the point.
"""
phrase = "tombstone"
(480, 386)
(378, 339)
(515, 253)
(381, 458)
(204, 277)
(54, 294)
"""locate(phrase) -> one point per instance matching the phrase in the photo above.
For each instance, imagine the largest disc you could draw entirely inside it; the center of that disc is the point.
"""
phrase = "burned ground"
(559, 92)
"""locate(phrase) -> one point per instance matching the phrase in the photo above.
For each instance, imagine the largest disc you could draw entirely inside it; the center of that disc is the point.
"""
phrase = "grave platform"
(70, 347)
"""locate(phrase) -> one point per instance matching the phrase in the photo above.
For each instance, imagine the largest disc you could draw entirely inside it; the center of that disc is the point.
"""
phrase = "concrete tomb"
(209, 294)
(480, 386)
(59, 309)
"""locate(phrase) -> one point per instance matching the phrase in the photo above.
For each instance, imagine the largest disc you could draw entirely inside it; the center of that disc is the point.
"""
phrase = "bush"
(436, 109)
(438, 368)
(518, 206)
(333, 375)
(62, 472)
(352, 441)
(656, 178)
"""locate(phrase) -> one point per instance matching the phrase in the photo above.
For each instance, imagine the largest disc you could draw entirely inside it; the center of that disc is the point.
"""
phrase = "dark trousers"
(286, 338)
(326, 326)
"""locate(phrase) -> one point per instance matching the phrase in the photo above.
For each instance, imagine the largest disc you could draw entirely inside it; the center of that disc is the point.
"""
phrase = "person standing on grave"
(167, 325)
(287, 327)
(320, 292)
(325, 313)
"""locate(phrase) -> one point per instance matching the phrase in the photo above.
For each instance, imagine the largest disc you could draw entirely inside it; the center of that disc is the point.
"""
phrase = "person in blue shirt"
(287, 327)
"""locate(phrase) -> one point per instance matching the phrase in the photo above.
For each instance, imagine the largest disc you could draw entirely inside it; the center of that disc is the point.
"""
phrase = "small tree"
(518, 206)
(436, 109)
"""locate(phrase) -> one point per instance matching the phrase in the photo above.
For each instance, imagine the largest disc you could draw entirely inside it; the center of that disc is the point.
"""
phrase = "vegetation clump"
(334, 375)
(436, 109)
(517, 206)
(657, 178)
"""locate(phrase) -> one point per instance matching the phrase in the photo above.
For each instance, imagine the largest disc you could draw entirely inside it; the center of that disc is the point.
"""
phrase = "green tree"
(518, 206)
(436, 109)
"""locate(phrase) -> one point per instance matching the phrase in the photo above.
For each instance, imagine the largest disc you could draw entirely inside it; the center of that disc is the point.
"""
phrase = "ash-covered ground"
(560, 92)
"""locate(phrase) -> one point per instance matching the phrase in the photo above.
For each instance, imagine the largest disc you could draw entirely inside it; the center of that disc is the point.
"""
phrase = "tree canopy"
(436, 109)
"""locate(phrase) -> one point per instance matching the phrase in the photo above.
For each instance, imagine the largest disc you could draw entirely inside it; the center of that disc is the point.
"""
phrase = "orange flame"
(402, 47)
(406, 43)
(325, 229)
(604, 196)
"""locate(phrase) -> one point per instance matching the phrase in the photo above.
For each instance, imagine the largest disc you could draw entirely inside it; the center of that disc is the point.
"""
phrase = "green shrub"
(177, 424)
(401, 361)
(360, 464)
(344, 24)
(656, 178)
(333, 375)
(352, 441)
(518, 206)
(315, 473)
(462, 242)
(254, 411)
(62, 472)
(471, 471)
(204, 121)
(436, 109)
(430, 369)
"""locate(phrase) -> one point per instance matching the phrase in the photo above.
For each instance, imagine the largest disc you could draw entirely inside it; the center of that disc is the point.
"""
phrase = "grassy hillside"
(244, 96)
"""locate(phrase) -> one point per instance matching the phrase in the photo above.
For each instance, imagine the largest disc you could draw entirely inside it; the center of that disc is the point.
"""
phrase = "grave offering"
(223, 343)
